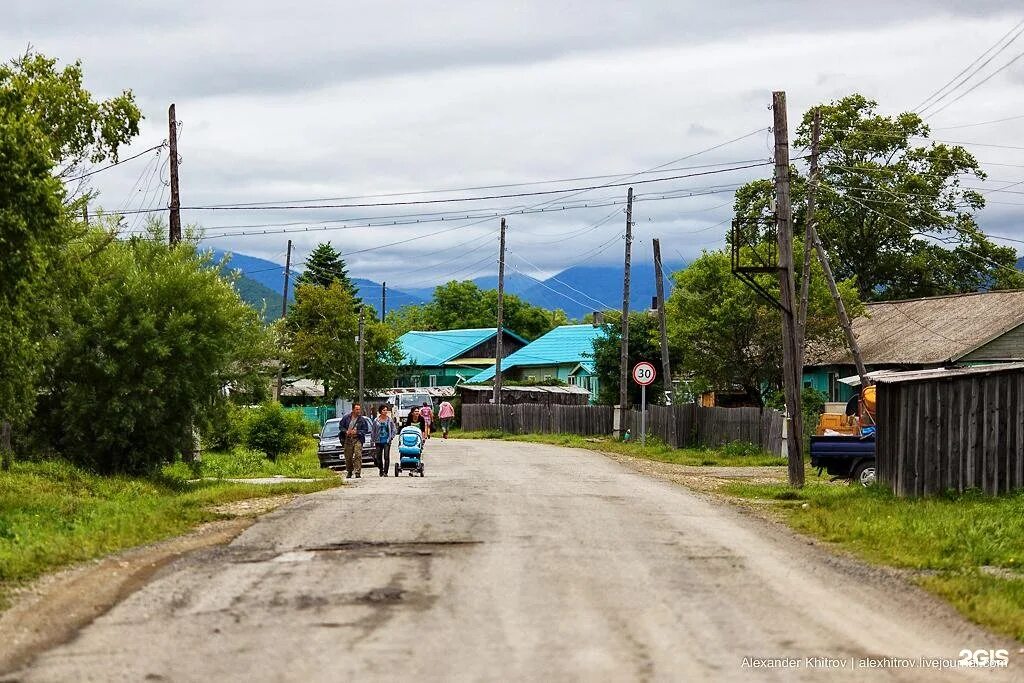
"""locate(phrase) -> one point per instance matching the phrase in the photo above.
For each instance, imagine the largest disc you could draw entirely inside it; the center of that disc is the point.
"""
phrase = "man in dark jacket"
(355, 427)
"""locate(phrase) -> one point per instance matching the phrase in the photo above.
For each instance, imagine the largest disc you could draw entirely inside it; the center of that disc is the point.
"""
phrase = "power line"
(284, 207)
(936, 96)
(976, 85)
(116, 163)
(981, 123)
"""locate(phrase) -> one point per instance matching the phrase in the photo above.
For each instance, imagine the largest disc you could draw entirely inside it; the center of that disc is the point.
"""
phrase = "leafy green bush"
(274, 430)
(225, 426)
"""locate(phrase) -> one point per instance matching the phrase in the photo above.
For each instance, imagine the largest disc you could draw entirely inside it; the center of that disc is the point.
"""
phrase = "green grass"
(53, 514)
(244, 462)
(733, 456)
(952, 537)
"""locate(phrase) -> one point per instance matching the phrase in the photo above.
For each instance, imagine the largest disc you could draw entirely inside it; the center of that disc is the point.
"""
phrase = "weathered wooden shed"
(952, 429)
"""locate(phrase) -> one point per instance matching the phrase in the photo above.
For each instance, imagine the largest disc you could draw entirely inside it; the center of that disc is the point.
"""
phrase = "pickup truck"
(847, 457)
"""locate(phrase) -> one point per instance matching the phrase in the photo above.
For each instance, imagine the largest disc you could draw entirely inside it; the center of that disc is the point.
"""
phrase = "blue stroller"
(410, 451)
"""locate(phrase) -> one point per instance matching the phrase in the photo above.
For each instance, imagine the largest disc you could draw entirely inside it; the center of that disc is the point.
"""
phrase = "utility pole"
(784, 225)
(284, 308)
(499, 339)
(666, 368)
(809, 217)
(362, 349)
(383, 300)
(174, 235)
(624, 349)
(85, 213)
(844, 319)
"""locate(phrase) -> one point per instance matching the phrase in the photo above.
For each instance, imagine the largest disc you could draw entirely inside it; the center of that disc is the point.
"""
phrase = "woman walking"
(384, 431)
(446, 413)
(427, 413)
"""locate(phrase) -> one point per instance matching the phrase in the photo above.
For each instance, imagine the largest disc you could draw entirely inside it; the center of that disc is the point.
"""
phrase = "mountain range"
(577, 290)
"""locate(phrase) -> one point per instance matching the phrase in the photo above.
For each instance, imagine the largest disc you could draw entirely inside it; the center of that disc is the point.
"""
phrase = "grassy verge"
(243, 462)
(736, 456)
(53, 514)
(967, 548)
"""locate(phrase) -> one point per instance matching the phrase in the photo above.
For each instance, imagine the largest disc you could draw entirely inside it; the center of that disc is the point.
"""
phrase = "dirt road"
(514, 561)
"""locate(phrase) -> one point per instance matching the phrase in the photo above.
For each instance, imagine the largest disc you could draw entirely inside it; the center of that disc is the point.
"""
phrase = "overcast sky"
(302, 100)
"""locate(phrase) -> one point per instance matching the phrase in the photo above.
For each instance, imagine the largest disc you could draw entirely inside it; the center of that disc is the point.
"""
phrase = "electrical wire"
(116, 163)
(976, 85)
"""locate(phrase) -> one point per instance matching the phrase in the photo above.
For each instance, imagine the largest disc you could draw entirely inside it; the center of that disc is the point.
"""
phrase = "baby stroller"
(410, 451)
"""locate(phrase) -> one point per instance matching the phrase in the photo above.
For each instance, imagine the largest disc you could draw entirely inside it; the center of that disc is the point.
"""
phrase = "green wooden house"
(919, 334)
(565, 353)
(448, 357)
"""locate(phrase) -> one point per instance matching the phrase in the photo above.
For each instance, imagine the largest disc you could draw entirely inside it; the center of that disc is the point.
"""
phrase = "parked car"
(845, 456)
(331, 449)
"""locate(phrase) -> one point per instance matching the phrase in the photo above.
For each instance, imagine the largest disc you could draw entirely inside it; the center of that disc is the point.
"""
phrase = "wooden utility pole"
(844, 319)
(284, 312)
(791, 373)
(809, 217)
(500, 337)
(6, 452)
(174, 235)
(666, 368)
(85, 213)
(383, 300)
(624, 347)
(362, 350)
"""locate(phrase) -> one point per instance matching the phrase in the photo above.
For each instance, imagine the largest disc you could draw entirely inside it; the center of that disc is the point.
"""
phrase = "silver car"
(331, 451)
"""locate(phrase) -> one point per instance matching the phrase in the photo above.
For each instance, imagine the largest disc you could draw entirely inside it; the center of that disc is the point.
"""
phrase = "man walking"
(446, 413)
(355, 427)
(384, 431)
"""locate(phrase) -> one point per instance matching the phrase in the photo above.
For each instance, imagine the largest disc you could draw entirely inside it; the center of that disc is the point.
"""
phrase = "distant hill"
(260, 297)
(578, 290)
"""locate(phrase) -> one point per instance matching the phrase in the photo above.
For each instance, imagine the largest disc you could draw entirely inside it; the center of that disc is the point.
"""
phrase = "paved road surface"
(507, 562)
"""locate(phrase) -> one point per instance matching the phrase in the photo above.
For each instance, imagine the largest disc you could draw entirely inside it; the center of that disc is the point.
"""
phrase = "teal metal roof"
(565, 344)
(437, 348)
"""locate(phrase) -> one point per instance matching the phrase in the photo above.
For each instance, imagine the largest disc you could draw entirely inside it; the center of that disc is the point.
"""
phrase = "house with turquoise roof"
(565, 353)
(448, 357)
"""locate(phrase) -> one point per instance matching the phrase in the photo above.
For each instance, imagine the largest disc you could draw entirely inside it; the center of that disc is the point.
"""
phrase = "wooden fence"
(680, 426)
(954, 430)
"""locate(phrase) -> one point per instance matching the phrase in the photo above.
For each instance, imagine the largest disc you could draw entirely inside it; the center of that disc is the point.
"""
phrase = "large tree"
(729, 337)
(149, 336)
(321, 331)
(459, 305)
(895, 212)
(325, 266)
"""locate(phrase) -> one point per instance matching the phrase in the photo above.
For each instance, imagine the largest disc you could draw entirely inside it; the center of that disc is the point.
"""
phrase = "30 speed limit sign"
(643, 373)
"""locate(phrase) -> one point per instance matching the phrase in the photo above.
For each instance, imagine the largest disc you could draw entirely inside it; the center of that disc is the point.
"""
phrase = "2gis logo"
(980, 659)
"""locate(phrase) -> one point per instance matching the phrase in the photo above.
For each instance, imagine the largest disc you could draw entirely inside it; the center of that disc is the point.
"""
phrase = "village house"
(920, 334)
(450, 357)
(565, 353)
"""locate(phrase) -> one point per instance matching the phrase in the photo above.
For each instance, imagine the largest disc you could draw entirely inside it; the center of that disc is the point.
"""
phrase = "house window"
(433, 380)
(833, 386)
(572, 380)
(416, 380)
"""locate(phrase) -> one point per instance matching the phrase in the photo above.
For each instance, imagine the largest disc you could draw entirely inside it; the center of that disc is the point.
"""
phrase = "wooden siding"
(1009, 346)
(952, 433)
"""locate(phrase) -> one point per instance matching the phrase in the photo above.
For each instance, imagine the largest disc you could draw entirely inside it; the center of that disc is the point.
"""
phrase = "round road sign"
(644, 373)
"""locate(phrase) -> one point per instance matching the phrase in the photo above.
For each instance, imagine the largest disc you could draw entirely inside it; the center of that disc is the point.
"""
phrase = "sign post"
(643, 374)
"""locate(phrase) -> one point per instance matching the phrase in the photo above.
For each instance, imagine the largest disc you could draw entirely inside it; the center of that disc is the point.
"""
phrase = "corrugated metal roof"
(932, 330)
(437, 348)
(565, 344)
(539, 389)
(947, 373)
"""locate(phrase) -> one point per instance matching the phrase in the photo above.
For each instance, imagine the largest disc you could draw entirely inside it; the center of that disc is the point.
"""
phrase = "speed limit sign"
(643, 373)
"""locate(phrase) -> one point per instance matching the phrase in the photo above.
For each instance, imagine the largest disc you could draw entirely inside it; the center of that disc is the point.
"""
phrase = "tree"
(320, 332)
(462, 305)
(31, 229)
(894, 216)
(149, 337)
(77, 129)
(728, 337)
(325, 266)
(644, 344)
